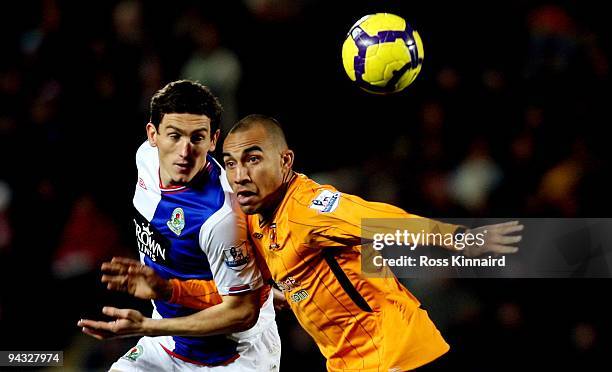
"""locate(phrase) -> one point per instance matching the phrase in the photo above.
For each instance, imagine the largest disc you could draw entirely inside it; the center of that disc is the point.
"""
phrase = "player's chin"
(182, 178)
(248, 208)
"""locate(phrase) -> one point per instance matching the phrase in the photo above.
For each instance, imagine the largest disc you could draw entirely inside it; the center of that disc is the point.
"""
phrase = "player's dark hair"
(185, 97)
(271, 125)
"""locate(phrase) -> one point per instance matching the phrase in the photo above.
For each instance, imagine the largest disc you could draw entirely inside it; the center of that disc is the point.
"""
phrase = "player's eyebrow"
(172, 127)
(245, 151)
(252, 148)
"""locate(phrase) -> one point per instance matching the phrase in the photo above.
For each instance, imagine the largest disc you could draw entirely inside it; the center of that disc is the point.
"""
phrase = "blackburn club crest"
(236, 258)
(177, 221)
(134, 353)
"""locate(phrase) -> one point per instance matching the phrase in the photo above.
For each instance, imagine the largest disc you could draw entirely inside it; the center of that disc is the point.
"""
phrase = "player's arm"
(234, 314)
(348, 219)
(353, 219)
(129, 275)
(238, 281)
(238, 278)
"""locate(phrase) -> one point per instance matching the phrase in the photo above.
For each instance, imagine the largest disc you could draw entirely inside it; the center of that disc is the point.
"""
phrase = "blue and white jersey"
(195, 232)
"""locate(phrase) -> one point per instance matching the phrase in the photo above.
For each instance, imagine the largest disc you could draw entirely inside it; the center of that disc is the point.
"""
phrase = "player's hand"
(497, 239)
(127, 323)
(141, 281)
(280, 302)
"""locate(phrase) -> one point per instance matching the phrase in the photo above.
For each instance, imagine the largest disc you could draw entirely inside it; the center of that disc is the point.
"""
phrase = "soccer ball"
(382, 53)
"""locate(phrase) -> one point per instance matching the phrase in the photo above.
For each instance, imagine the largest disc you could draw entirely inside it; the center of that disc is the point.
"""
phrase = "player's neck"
(165, 181)
(276, 199)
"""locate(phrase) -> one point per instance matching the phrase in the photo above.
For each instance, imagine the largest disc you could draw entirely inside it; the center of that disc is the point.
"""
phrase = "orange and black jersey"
(312, 247)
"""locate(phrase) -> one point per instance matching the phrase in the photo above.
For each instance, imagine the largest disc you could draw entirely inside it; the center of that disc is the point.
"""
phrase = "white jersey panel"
(224, 240)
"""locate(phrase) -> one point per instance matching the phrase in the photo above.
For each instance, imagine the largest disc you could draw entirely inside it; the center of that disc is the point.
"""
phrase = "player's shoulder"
(145, 151)
(146, 157)
(147, 164)
(228, 222)
(229, 212)
(220, 172)
(311, 198)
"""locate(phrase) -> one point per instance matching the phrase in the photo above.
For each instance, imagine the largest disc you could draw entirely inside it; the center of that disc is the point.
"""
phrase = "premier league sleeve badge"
(237, 257)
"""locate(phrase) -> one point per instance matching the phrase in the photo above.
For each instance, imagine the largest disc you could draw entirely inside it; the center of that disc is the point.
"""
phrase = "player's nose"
(184, 149)
(241, 175)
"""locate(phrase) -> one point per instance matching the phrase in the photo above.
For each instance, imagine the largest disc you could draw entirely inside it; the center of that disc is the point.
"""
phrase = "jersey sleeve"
(338, 219)
(230, 254)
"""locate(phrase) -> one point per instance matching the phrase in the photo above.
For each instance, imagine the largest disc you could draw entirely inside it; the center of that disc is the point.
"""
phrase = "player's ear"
(287, 157)
(213, 140)
(151, 134)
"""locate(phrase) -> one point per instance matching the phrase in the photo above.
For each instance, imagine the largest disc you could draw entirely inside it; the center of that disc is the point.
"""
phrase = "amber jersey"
(312, 248)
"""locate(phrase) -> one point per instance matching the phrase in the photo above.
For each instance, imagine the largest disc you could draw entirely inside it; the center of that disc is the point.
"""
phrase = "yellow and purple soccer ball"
(382, 53)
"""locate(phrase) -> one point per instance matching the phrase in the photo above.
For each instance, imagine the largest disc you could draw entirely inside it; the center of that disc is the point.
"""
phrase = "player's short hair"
(273, 128)
(185, 97)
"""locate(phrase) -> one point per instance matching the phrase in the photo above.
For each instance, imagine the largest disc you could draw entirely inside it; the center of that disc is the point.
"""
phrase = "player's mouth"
(183, 167)
(245, 197)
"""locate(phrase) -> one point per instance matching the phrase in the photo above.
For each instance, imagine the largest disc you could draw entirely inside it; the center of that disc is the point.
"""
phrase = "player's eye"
(174, 136)
(230, 164)
(197, 139)
(253, 159)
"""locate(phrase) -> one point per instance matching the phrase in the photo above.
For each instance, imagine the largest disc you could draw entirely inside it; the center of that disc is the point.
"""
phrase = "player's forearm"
(445, 230)
(429, 231)
(218, 319)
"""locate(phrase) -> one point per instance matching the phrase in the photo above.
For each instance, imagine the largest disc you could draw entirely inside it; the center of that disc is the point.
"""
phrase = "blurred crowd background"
(508, 118)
